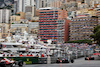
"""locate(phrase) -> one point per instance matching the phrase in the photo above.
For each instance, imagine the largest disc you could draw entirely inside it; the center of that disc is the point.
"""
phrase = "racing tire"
(57, 61)
(72, 61)
(20, 63)
(13, 65)
(3, 64)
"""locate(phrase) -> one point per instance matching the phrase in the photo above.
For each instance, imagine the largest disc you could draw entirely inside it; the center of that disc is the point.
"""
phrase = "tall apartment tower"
(42, 3)
(5, 15)
(19, 5)
(53, 25)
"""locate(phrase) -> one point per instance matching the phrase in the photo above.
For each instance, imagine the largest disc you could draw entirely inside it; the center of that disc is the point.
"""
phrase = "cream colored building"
(14, 18)
(21, 21)
(20, 28)
(89, 12)
(21, 14)
(4, 29)
(35, 18)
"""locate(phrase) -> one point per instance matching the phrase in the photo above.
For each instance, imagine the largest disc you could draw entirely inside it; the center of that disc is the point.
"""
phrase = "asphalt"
(78, 63)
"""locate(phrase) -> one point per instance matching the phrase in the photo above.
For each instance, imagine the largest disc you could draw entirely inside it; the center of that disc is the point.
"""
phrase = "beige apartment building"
(4, 29)
(82, 27)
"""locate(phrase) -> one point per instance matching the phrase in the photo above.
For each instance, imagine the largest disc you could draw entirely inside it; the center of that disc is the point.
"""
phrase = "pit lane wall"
(26, 60)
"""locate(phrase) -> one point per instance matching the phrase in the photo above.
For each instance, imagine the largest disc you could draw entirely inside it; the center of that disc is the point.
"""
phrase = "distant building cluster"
(59, 20)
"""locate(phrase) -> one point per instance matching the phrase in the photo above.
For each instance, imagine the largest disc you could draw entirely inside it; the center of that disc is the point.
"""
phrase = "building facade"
(33, 28)
(5, 15)
(51, 22)
(42, 3)
(30, 12)
(19, 5)
(14, 18)
(4, 29)
(98, 14)
(82, 27)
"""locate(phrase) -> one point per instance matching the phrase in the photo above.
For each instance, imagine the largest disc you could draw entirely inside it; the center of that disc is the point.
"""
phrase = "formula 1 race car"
(64, 61)
(89, 58)
(7, 62)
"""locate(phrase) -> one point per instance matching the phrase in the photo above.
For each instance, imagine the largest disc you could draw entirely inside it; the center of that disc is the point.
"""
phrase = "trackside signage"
(96, 53)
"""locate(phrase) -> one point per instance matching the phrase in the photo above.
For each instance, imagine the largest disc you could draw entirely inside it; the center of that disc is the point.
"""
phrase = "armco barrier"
(53, 59)
(44, 60)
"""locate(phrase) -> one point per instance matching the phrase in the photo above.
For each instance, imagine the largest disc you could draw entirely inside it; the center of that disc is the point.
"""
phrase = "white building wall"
(19, 5)
(5, 15)
(0, 16)
(45, 3)
(23, 3)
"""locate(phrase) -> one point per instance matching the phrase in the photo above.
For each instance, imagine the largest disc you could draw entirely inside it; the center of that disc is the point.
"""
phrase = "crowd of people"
(80, 46)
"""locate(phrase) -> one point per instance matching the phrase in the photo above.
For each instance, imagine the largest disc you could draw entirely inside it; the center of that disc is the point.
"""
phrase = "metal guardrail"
(44, 60)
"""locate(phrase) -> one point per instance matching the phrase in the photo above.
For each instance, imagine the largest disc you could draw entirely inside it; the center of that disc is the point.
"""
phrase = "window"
(42, 4)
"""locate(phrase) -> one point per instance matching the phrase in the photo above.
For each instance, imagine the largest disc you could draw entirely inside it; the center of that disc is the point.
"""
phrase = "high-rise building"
(21, 4)
(82, 27)
(5, 15)
(29, 12)
(42, 3)
(53, 25)
(15, 6)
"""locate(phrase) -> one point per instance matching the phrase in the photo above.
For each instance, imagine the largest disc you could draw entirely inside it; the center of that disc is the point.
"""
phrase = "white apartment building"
(5, 15)
(42, 3)
(21, 4)
(49, 3)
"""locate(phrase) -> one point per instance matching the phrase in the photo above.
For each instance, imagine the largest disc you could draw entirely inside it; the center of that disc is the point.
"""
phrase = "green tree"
(96, 34)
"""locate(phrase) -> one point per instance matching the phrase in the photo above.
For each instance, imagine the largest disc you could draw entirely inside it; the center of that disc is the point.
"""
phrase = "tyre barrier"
(42, 60)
